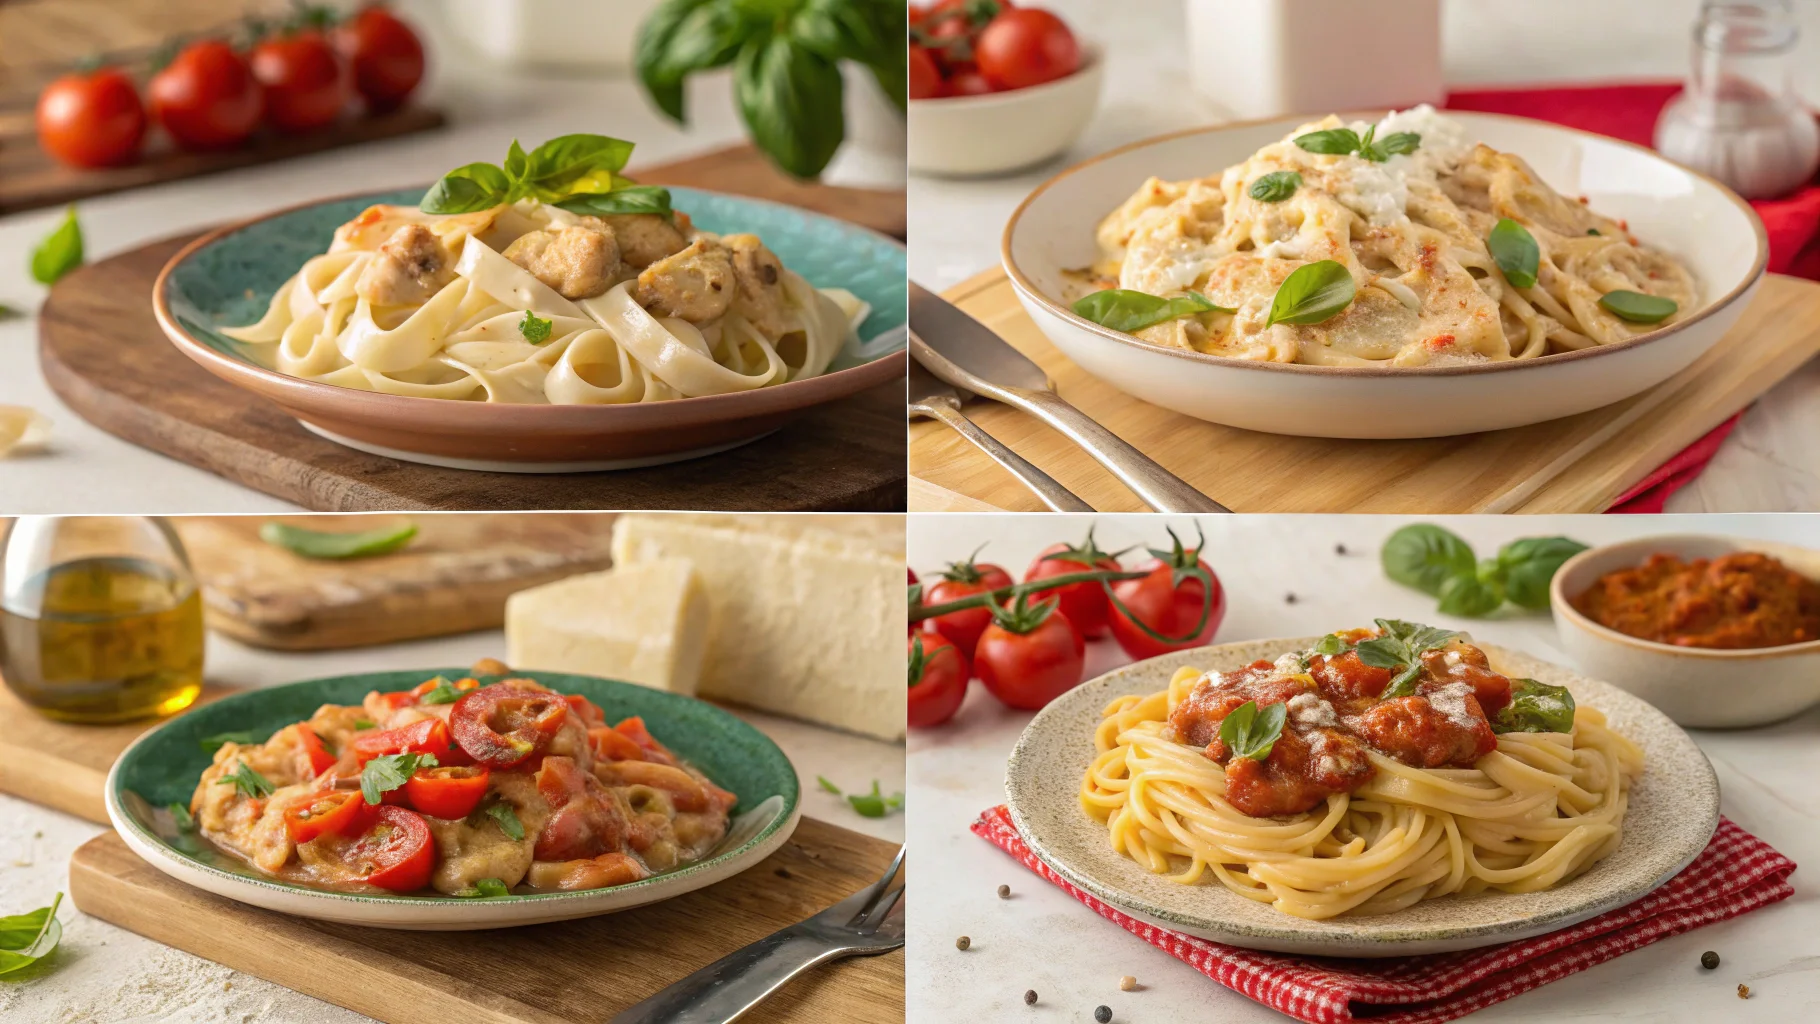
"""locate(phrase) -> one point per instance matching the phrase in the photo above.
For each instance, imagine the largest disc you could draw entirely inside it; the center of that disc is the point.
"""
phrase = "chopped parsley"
(383, 774)
(534, 328)
(249, 782)
(508, 821)
(443, 693)
(485, 888)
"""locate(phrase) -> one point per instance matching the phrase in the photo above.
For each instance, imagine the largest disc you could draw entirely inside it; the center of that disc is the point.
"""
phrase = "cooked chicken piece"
(492, 666)
(579, 262)
(695, 284)
(410, 267)
(645, 238)
(760, 296)
(468, 853)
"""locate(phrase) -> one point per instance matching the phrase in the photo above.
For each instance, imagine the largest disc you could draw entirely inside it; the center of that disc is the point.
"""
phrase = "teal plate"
(227, 277)
(162, 767)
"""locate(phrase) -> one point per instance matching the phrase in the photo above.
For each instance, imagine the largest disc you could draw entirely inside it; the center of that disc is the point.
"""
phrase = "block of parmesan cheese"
(808, 609)
(646, 622)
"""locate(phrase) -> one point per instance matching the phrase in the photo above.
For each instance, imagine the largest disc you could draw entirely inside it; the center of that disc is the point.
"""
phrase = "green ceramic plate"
(162, 767)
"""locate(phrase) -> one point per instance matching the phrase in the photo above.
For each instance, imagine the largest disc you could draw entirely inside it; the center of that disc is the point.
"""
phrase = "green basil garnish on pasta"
(579, 173)
(1637, 307)
(1535, 707)
(1124, 310)
(1251, 732)
(1312, 294)
(1275, 186)
(1400, 647)
(1330, 141)
(534, 329)
(1516, 253)
(1341, 141)
(323, 545)
(1394, 144)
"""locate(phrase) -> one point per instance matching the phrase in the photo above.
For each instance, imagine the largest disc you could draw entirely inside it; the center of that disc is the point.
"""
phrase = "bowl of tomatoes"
(995, 87)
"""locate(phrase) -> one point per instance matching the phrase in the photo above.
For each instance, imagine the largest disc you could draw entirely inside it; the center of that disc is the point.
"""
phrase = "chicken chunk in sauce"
(695, 284)
(759, 275)
(578, 262)
(408, 268)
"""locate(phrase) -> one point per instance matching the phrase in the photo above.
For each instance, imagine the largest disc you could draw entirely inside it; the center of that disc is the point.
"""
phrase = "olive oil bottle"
(99, 637)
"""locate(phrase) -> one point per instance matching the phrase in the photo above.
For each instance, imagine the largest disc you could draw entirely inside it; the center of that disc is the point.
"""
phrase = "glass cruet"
(1739, 119)
(100, 617)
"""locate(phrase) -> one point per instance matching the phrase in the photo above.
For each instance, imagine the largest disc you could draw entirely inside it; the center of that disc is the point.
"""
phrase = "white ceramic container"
(1697, 687)
(1700, 221)
(1004, 131)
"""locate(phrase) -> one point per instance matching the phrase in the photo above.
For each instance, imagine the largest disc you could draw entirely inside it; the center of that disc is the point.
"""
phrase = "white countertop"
(87, 469)
(955, 227)
(106, 975)
(1042, 939)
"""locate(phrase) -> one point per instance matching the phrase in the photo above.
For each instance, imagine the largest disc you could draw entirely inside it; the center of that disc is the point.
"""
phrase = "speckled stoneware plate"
(227, 277)
(162, 767)
(1673, 810)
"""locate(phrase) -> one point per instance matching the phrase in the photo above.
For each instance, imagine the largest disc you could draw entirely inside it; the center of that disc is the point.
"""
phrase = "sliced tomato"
(336, 811)
(634, 730)
(586, 822)
(396, 852)
(503, 726)
(321, 760)
(447, 792)
(395, 700)
(429, 736)
(422, 690)
(613, 745)
(585, 709)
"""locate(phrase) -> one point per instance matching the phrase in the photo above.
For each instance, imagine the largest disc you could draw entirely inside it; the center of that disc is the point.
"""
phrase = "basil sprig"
(1637, 307)
(324, 545)
(1535, 707)
(534, 329)
(1250, 732)
(387, 772)
(1400, 647)
(1341, 141)
(1125, 310)
(1312, 293)
(1275, 186)
(867, 805)
(60, 252)
(1433, 560)
(579, 173)
(29, 937)
(249, 782)
(786, 57)
(1516, 252)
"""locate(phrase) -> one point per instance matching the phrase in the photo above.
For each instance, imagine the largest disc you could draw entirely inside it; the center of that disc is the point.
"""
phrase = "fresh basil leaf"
(1637, 307)
(320, 545)
(466, 189)
(1527, 567)
(827, 787)
(1275, 186)
(635, 199)
(1470, 597)
(485, 888)
(1251, 732)
(1124, 310)
(1592, 231)
(29, 937)
(1516, 253)
(444, 692)
(893, 77)
(364, 723)
(1416, 636)
(791, 100)
(516, 162)
(60, 252)
(1313, 293)
(681, 37)
(1535, 707)
(1425, 556)
(186, 822)
(571, 164)
(249, 782)
(1396, 144)
(874, 804)
(534, 329)
(1330, 141)
(1383, 652)
(1332, 645)
(210, 744)
(845, 30)
(387, 772)
(508, 821)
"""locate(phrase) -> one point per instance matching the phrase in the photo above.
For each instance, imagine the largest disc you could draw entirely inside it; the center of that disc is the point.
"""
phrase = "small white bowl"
(1692, 216)
(1004, 131)
(1698, 687)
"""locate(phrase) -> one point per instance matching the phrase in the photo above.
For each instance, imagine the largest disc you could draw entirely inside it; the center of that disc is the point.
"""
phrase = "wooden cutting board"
(1578, 464)
(453, 577)
(567, 973)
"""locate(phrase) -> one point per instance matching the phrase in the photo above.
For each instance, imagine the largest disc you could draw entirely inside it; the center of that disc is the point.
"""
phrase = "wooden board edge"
(50, 781)
(929, 497)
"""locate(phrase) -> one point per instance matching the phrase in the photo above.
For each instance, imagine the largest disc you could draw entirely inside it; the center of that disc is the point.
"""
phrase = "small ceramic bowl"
(162, 766)
(1692, 216)
(1004, 131)
(1698, 687)
(227, 277)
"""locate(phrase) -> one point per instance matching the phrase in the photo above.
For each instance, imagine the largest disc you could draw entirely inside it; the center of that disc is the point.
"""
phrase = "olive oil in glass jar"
(100, 618)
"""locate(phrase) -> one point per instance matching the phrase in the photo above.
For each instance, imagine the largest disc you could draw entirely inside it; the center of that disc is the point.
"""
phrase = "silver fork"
(867, 923)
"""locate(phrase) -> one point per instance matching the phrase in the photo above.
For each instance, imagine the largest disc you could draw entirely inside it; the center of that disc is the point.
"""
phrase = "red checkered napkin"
(1737, 873)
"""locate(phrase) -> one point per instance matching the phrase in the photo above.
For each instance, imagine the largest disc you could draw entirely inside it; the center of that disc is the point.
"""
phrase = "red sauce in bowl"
(1736, 601)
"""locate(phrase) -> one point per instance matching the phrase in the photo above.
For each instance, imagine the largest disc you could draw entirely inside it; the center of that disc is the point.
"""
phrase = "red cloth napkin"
(1629, 112)
(1737, 873)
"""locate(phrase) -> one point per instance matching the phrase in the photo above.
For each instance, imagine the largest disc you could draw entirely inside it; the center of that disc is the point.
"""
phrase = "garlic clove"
(22, 429)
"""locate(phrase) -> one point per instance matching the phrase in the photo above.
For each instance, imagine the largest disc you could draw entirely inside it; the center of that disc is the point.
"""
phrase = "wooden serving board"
(1577, 464)
(567, 973)
(453, 577)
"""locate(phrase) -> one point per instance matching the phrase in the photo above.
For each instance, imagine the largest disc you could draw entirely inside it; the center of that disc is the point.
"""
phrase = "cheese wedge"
(808, 610)
(646, 623)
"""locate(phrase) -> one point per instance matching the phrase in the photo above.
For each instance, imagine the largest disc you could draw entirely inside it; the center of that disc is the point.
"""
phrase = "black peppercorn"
(1030, 997)
(1102, 1014)
(1709, 960)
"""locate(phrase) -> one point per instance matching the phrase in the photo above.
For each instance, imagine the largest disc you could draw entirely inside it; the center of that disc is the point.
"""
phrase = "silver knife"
(930, 397)
(966, 354)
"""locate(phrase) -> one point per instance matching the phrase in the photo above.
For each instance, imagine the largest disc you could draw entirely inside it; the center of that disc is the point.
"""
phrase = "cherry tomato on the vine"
(1026, 47)
(1030, 654)
(1170, 601)
(938, 679)
(206, 97)
(91, 120)
(306, 82)
(925, 75)
(1084, 603)
(964, 579)
(387, 57)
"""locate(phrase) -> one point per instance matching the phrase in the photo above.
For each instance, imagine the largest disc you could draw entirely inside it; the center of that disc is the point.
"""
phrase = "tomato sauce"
(1336, 713)
(1736, 601)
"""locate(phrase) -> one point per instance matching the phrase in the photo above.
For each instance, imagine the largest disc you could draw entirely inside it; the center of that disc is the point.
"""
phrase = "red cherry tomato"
(1167, 607)
(428, 736)
(1030, 655)
(586, 710)
(1084, 603)
(320, 758)
(386, 55)
(91, 120)
(446, 792)
(916, 596)
(1026, 47)
(964, 579)
(396, 852)
(502, 726)
(938, 680)
(207, 97)
(337, 811)
(925, 75)
(966, 80)
(306, 82)
(613, 745)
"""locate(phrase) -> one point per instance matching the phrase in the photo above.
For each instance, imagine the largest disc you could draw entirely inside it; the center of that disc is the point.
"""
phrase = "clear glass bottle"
(100, 617)
(1739, 119)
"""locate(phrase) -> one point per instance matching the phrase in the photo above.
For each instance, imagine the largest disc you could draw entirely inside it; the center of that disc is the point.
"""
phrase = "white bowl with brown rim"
(1698, 687)
(1695, 218)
